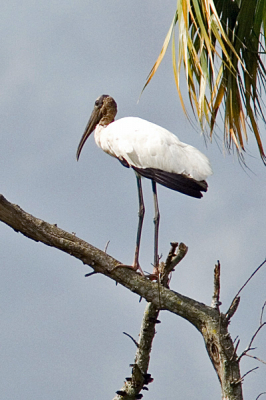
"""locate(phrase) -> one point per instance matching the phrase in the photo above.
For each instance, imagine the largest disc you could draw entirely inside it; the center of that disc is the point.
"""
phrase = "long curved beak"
(91, 125)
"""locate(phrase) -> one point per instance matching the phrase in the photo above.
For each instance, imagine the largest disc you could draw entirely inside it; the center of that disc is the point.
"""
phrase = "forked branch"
(249, 347)
(209, 321)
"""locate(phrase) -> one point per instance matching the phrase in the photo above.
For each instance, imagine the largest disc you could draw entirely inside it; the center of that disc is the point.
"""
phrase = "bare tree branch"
(242, 378)
(216, 293)
(133, 340)
(174, 257)
(212, 324)
(251, 276)
(260, 395)
(232, 309)
(39, 230)
(262, 311)
(256, 358)
(249, 348)
(235, 302)
(140, 377)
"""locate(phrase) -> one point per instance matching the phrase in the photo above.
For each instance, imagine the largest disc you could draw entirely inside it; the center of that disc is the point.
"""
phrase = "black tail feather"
(178, 182)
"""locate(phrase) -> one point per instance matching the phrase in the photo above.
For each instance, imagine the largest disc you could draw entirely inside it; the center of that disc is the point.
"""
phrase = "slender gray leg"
(141, 217)
(156, 221)
(136, 265)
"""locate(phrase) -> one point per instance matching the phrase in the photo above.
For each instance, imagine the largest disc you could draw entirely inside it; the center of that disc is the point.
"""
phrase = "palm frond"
(220, 45)
(162, 53)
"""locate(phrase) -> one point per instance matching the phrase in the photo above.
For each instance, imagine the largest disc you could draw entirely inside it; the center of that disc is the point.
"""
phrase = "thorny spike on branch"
(242, 378)
(235, 351)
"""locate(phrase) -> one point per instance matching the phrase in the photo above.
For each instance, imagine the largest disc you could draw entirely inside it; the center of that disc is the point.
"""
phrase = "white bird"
(153, 152)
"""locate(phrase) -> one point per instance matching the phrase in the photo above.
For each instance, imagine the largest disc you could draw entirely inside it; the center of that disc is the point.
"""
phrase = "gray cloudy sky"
(61, 334)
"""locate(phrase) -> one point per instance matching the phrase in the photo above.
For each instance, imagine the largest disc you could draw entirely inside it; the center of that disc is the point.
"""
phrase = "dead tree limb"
(212, 324)
(140, 378)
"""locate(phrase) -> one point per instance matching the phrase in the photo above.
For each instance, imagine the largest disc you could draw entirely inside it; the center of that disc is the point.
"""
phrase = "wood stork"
(153, 153)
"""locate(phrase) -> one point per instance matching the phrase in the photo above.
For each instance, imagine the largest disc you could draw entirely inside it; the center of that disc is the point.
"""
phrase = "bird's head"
(104, 112)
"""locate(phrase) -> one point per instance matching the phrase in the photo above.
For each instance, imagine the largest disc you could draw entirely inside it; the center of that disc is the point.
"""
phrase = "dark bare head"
(104, 112)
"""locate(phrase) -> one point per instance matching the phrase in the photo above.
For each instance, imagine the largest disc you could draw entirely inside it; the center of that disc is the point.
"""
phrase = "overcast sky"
(61, 334)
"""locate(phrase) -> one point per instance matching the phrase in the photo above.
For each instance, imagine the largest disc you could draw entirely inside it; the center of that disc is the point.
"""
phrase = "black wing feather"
(178, 182)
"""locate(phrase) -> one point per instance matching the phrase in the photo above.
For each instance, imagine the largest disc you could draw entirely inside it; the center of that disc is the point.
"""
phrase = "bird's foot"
(135, 266)
(155, 275)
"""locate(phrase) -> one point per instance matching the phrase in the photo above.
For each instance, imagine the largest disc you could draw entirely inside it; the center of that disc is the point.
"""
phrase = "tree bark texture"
(209, 321)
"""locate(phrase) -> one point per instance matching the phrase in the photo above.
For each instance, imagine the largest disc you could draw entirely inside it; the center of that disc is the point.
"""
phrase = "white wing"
(146, 145)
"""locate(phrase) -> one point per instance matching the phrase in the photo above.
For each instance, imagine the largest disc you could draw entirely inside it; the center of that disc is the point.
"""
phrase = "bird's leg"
(136, 265)
(156, 221)
(141, 217)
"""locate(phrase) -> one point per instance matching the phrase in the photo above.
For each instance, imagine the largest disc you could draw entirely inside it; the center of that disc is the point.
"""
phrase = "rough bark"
(209, 321)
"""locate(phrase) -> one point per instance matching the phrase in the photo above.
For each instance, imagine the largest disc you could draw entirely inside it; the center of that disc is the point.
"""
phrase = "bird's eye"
(100, 101)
